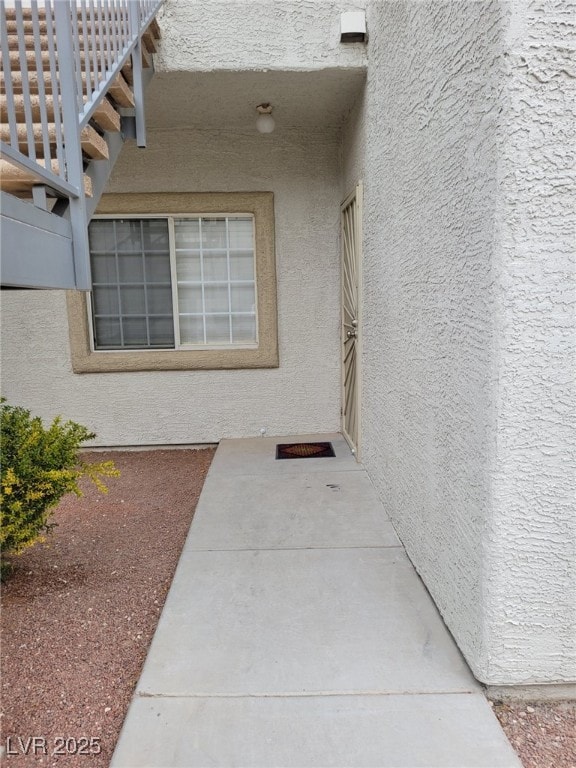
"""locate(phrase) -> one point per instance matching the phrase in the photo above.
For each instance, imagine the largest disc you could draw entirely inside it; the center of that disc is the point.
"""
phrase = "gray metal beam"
(99, 171)
(74, 162)
(36, 247)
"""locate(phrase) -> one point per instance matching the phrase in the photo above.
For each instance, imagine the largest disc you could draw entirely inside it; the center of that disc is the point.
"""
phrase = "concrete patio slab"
(257, 456)
(296, 633)
(299, 510)
(301, 621)
(452, 731)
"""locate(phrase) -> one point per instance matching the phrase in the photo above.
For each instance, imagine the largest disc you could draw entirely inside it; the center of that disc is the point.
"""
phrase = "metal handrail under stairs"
(66, 65)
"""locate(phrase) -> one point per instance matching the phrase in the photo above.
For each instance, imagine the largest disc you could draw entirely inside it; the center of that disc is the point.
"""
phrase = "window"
(173, 282)
(131, 284)
(179, 281)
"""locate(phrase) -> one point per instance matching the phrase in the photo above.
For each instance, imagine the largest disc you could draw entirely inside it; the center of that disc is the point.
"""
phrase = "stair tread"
(105, 115)
(93, 144)
(27, 19)
(29, 42)
(32, 61)
(119, 90)
(17, 180)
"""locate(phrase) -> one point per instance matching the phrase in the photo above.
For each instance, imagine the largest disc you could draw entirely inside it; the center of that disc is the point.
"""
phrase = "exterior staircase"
(71, 92)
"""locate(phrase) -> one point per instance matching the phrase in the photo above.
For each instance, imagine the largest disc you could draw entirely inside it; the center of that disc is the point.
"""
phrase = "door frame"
(357, 194)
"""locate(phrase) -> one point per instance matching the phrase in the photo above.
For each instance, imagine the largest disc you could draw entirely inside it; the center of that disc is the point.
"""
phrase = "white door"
(351, 237)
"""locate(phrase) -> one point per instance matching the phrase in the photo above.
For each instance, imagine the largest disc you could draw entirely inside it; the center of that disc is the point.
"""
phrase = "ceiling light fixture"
(265, 123)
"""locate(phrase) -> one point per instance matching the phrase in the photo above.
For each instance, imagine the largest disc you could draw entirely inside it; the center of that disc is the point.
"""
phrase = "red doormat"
(304, 451)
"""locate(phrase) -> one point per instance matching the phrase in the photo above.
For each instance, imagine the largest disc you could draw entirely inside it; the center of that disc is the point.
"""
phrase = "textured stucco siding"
(469, 327)
(430, 193)
(302, 395)
(531, 551)
(353, 146)
(206, 35)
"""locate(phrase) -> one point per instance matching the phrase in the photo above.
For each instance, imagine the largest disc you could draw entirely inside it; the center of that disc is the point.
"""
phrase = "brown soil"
(79, 612)
(544, 734)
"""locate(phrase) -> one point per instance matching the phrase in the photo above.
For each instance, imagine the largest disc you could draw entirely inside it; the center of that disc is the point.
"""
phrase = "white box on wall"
(353, 27)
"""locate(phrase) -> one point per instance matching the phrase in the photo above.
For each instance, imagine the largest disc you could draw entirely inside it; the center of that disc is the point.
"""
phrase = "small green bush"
(39, 465)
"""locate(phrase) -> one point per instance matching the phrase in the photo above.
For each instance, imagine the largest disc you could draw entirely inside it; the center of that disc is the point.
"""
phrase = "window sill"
(85, 360)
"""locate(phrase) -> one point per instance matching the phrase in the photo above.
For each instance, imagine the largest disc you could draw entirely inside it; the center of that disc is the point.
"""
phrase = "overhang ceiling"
(315, 100)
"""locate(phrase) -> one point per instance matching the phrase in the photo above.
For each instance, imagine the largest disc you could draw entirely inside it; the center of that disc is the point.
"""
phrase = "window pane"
(106, 301)
(191, 330)
(190, 298)
(188, 266)
(101, 235)
(218, 330)
(104, 268)
(134, 329)
(215, 266)
(242, 298)
(159, 300)
(214, 233)
(216, 298)
(128, 235)
(158, 268)
(155, 234)
(107, 332)
(130, 268)
(133, 300)
(187, 234)
(161, 331)
(240, 232)
(215, 270)
(244, 329)
(241, 266)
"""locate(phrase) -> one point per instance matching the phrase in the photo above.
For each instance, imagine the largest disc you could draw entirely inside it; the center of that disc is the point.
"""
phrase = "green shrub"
(39, 465)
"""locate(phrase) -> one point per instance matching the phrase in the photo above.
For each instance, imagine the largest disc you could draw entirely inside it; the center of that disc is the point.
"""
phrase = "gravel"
(543, 734)
(80, 610)
(79, 613)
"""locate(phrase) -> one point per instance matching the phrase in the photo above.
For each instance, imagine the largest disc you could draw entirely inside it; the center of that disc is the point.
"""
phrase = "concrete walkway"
(297, 634)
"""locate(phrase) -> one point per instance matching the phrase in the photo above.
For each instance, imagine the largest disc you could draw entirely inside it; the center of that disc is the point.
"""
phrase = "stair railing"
(83, 44)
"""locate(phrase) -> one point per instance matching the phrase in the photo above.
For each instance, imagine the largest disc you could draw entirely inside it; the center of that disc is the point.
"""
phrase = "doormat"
(304, 450)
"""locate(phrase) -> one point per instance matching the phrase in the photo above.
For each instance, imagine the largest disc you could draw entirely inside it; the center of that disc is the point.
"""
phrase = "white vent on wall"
(353, 27)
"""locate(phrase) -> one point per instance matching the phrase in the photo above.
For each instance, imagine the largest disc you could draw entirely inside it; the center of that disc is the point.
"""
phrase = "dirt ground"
(544, 735)
(79, 612)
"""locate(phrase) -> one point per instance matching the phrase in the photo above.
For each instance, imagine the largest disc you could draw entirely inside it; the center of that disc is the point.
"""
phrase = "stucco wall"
(531, 537)
(430, 194)
(302, 395)
(353, 146)
(468, 368)
(255, 35)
